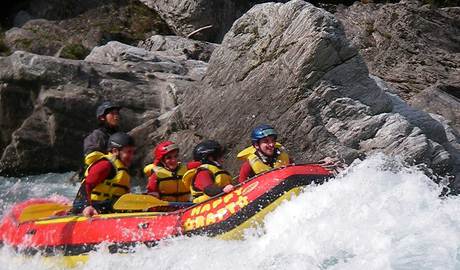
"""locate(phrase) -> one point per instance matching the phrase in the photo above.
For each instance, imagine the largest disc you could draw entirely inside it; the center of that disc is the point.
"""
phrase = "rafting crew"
(107, 178)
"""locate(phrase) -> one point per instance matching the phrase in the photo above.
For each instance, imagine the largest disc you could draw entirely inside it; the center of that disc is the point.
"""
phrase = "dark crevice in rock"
(451, 90)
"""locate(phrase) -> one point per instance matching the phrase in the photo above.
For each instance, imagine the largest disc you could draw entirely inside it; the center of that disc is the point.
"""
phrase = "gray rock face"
(291, 66)
(179, 46)
(440, 99)
(410, 46)
(29, 37)
(186, 16)
(85, 25)
(48, 104)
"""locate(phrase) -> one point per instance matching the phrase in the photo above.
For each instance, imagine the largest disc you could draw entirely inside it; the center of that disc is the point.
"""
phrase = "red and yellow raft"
(225, 216)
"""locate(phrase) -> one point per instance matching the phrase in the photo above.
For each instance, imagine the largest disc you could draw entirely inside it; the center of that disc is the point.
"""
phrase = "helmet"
(262, 131)
(105, 107)
(119, 140)
(162, 149)
(203, 150)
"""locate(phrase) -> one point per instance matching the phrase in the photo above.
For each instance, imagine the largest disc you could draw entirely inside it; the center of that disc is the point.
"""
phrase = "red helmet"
(162, 149)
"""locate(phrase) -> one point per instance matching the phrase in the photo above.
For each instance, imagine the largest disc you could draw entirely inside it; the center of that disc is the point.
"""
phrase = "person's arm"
(246, 172)
(152, 187)
(96, 175)
(205, 183)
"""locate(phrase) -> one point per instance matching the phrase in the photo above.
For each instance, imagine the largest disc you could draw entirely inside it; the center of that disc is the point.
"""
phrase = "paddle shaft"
(142, 202)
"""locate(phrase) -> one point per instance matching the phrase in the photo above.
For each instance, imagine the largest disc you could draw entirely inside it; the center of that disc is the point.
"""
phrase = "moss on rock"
(4, 49)
(74, 51)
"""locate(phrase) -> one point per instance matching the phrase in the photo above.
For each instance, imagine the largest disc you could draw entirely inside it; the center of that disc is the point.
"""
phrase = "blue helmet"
(262, 131)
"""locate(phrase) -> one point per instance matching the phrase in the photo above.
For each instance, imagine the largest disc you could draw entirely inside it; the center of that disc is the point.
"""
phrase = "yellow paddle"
(43, 210)
(141, 202)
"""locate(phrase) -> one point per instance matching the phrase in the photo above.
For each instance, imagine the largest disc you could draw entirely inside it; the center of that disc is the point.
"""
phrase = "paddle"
(141, 202)
(43, 210)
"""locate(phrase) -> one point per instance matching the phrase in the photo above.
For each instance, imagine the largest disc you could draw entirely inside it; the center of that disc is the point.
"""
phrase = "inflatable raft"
(225, 216)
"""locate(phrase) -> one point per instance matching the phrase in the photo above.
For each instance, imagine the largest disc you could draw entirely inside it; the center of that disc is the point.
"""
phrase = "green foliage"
(24, 44)
(142, 20)
(387, 35)
(74, 51)
(369, 26)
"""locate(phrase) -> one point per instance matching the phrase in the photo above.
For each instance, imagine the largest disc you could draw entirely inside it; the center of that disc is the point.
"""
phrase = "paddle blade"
(44, 210)
(137, 202)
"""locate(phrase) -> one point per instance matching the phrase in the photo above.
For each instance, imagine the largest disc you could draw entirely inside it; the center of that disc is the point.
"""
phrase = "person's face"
(266, 146)
(126, 155)
(170, 160)
(112, 118)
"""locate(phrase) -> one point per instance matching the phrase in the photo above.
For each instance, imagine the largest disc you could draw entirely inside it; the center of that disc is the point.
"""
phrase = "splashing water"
(377, 215)
(13, 190)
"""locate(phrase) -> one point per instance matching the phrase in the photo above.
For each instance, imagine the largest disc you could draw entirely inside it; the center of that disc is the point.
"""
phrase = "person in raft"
(266, 153)
(209, 178)
(95, 144)
(107, 178)
(165, 174)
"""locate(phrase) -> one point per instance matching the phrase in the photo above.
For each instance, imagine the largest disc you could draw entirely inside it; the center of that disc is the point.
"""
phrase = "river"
(378, 215)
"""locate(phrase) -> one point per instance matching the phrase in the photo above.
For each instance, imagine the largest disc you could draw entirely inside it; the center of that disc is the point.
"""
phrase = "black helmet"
(119, 140)
(105, 107)
(203, 150)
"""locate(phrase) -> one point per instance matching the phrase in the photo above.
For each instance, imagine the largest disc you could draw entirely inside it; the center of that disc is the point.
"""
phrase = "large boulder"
(48, 104)
(291, 65)
(413, 47)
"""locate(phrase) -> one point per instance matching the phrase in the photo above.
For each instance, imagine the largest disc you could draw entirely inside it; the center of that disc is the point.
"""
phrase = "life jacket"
(220, 177)
(117, 184)
(170, 185)
(258, 165)
(93, 157)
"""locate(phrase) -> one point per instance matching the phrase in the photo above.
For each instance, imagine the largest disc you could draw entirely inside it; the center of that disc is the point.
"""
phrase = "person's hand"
(154, 194)
(332, 164)
(228, 188)
(329, 161)
(89, 211)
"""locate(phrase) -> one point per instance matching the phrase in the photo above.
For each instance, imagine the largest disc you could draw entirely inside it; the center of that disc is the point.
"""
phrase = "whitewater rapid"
(379, 214)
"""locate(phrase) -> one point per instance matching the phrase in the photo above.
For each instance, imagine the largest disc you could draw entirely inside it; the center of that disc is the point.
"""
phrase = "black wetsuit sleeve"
(212, 190)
